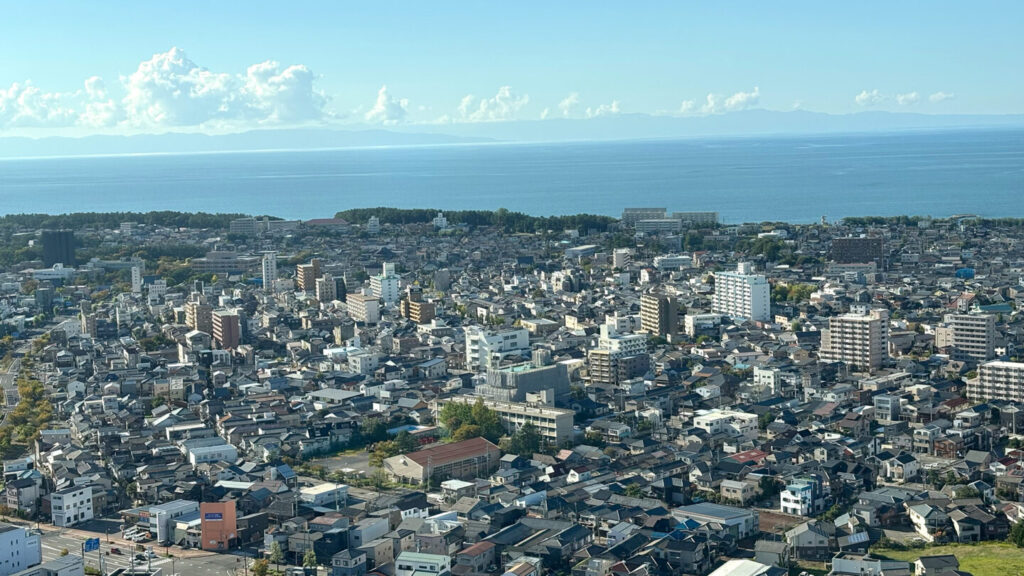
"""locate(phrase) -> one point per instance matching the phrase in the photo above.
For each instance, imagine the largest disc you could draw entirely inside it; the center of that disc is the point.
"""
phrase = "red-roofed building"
(467, 459)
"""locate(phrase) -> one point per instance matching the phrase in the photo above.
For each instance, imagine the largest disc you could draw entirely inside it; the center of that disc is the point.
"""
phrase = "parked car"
(115, 551)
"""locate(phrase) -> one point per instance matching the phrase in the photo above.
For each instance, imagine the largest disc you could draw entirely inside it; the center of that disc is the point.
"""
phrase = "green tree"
(467, 431)
(260, 567)
(309, 558)
(276, 555)
(1017, 534)
(405, 442)
(526, 441)
(634, 491)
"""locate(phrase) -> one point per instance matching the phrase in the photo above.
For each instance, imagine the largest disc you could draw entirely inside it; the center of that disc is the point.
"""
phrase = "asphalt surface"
(206, 564)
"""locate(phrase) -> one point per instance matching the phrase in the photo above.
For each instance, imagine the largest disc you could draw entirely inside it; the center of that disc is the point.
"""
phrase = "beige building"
(969, 337)
(467, 459)
(659, 314)
(860, 338)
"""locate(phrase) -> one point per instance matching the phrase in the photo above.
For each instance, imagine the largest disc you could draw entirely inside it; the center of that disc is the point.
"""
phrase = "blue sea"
(794, 179)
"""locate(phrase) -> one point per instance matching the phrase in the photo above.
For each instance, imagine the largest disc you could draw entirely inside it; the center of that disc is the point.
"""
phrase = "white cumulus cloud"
(545, 113)
(388, 109)
(604, 110)
(743, 100)
(568, 103)
(687, 106)
(275, 94)
(908, 99)
(502, 106)
(871, 98)
(27, 106)
(941, 96)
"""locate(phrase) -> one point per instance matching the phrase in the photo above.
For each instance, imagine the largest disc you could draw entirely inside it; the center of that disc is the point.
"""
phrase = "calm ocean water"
(796, 179)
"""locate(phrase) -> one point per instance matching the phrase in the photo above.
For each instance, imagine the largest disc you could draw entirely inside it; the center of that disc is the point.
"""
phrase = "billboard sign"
(213, 516)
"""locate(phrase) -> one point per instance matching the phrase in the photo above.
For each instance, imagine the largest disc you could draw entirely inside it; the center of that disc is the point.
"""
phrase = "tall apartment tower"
(659, 314)
(199, 316)
(860, 338)
(306, 275)
(227, 329)
(58, 247)
(326, 289)
(969, 337)
(742, 294)
(415, 308)
(385, 284)
(270, 271)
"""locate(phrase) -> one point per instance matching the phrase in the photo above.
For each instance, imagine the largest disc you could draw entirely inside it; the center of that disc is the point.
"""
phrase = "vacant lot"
(985, 559)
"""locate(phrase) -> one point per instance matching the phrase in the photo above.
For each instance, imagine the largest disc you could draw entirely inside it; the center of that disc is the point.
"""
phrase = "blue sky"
(460, 62)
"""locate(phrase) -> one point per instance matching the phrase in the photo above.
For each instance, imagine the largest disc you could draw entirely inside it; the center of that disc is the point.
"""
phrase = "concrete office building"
(19, 549)
(71, 506)
(860, 338)
(513, 383)
(968, 337)
(742, 294)
(659, 314)
(998, 380)
(618, 357)
(227, 329)
(58, 248)
(270, 271)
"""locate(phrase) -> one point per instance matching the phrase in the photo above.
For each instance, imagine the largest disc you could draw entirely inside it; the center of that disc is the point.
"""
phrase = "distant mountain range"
(617, 127)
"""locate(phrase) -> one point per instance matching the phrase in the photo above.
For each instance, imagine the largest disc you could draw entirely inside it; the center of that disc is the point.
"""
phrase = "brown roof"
(441, 454)
(477, 549)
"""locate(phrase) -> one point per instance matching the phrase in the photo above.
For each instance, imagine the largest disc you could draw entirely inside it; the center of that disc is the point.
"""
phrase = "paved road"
(208, 564)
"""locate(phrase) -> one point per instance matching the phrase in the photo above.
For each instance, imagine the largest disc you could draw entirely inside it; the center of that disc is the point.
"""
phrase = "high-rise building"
(618, 357)
(306, 275)
(630, 216)
(485, 349)
(385, 284)
(858, 249)
(998, 380)
(58, 247)
(968, 337)
(373, 225)
(363, 308)
(199, 316)
(326, 289)
(860, 338)
(415, 308)
(270, 271)
(659, 314)
(742, 294)
(136, 280)
(227, 329)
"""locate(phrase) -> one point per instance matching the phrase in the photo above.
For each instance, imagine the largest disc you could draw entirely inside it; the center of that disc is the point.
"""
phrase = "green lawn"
(985, 559)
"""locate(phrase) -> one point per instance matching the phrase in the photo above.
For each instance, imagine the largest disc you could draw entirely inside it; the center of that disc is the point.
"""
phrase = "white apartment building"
(971, 337)
(71, 506)
(733, 423)
(385, 285)
(742, 294)
(326, 289)
(19, 549)
(327, 495)
(420, 564)
(363, 308)
(270, 271)
(860, 338)
(998, 380)
(485, 348)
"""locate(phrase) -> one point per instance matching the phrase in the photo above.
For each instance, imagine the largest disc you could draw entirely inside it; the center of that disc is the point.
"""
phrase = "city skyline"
(221, 69)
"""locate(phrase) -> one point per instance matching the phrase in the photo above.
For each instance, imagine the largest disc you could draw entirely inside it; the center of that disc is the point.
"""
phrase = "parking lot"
(199, 563)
